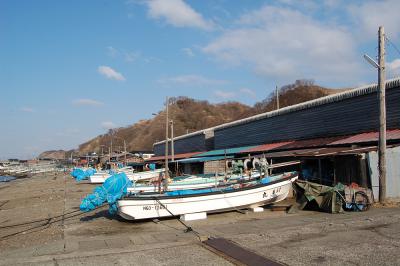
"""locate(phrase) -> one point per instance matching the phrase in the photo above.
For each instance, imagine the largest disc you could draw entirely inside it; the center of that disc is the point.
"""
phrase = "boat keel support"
(193, 216)
(257, 209)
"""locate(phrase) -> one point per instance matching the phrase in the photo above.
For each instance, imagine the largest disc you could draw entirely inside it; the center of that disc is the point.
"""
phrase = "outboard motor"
(247, 164)
(229, 164)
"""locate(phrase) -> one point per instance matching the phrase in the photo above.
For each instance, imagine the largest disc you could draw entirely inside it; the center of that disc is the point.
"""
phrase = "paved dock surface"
(97, 238)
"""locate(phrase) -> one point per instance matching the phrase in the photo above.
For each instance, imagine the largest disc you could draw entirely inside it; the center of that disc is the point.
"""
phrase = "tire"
(361, 201)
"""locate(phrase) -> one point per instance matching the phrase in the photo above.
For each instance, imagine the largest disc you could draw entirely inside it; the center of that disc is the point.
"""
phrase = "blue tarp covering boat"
(113, 189)
(80, 174)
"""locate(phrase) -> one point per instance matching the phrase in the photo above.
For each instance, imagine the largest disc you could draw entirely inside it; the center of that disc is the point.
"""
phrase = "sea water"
(7, 178)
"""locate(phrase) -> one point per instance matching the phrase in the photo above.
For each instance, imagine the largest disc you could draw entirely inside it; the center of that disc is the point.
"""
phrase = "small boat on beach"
(268, 190)
(100, 177)
(193, 182)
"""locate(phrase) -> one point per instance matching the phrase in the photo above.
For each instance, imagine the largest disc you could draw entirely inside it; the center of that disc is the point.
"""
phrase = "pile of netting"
(80, 174)
(113, 189)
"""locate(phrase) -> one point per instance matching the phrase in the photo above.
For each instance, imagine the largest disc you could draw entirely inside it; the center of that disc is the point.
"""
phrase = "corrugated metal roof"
(367, 137)
(290, 153)
(294, 147)
(204, 159)
(176, 156)
(316, 102)
(224, 151)
(266, 147)
(320, 152)
(321, 142)
(309, 143)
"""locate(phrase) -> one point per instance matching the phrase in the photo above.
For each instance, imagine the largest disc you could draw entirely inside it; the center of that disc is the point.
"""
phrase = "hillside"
(54, 154)
(298, 92)
(188, 115)
(191, 115)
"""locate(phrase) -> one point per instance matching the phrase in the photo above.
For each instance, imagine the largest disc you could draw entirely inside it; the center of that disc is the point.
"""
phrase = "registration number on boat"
(276, 190)
(153, 207)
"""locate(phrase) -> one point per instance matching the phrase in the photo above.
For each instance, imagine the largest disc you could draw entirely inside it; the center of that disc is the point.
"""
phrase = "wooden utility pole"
(172, 141)
(382, 117)
(111, 144)
(166, 137)
(125, 152)
(277, 98)
(109, 156)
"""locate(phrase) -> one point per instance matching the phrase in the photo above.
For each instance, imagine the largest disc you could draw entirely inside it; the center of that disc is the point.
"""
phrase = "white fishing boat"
(99, 178)
(192, 182)
(247, 195)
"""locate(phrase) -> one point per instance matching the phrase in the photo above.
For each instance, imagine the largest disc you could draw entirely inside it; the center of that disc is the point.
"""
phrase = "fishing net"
(80, 174)
(76, 172)
(113, 189)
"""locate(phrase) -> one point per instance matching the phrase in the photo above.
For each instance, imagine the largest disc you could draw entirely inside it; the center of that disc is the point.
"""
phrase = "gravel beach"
(97, 238)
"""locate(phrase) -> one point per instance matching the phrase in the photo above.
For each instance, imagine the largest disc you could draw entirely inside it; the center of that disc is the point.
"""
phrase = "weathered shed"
(347, 113)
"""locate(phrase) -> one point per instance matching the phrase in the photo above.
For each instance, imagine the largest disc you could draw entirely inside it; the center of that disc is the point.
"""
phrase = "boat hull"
(172, 187)
(145, 175)
(99, 179)
(193, 182)
(135, 208)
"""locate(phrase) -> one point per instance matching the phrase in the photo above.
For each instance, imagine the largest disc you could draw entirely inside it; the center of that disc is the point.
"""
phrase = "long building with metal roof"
(351, 112)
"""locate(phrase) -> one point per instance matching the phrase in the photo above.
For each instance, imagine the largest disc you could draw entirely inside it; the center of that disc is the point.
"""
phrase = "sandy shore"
(305, 238)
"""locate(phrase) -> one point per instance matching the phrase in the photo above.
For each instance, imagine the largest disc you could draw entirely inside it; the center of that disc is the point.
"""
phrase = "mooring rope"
(48, 221)
(37, 221)
(188, 228)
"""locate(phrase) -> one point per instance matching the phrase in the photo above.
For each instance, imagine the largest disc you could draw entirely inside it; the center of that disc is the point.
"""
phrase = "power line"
(393, 45)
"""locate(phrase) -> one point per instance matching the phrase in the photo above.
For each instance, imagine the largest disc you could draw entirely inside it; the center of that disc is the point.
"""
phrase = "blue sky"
(72, 69)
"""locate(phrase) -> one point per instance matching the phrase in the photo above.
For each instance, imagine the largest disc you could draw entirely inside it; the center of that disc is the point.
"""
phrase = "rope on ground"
(37, 221)
(188, 228)
(4, 203)
(45, 225)
(48, 221)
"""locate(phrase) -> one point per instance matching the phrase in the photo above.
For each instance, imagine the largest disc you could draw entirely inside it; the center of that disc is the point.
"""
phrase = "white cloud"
(108, 125)
(308, 5)
(248, 92)
(87, 102)
(188, 52)
(112, 52)
(369, 15)
(191, 80)
(131, 56)
(27, 109)
(110, 73)
(284, 44)
(152, 59)
(177, 13)
(393, 67)
(333, 3)
(224, 94)
(126, 55)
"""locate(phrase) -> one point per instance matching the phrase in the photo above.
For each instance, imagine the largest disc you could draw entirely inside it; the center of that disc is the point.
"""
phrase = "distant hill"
(56, 155)
(298, 92)
(191, 115)
(188, 115)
